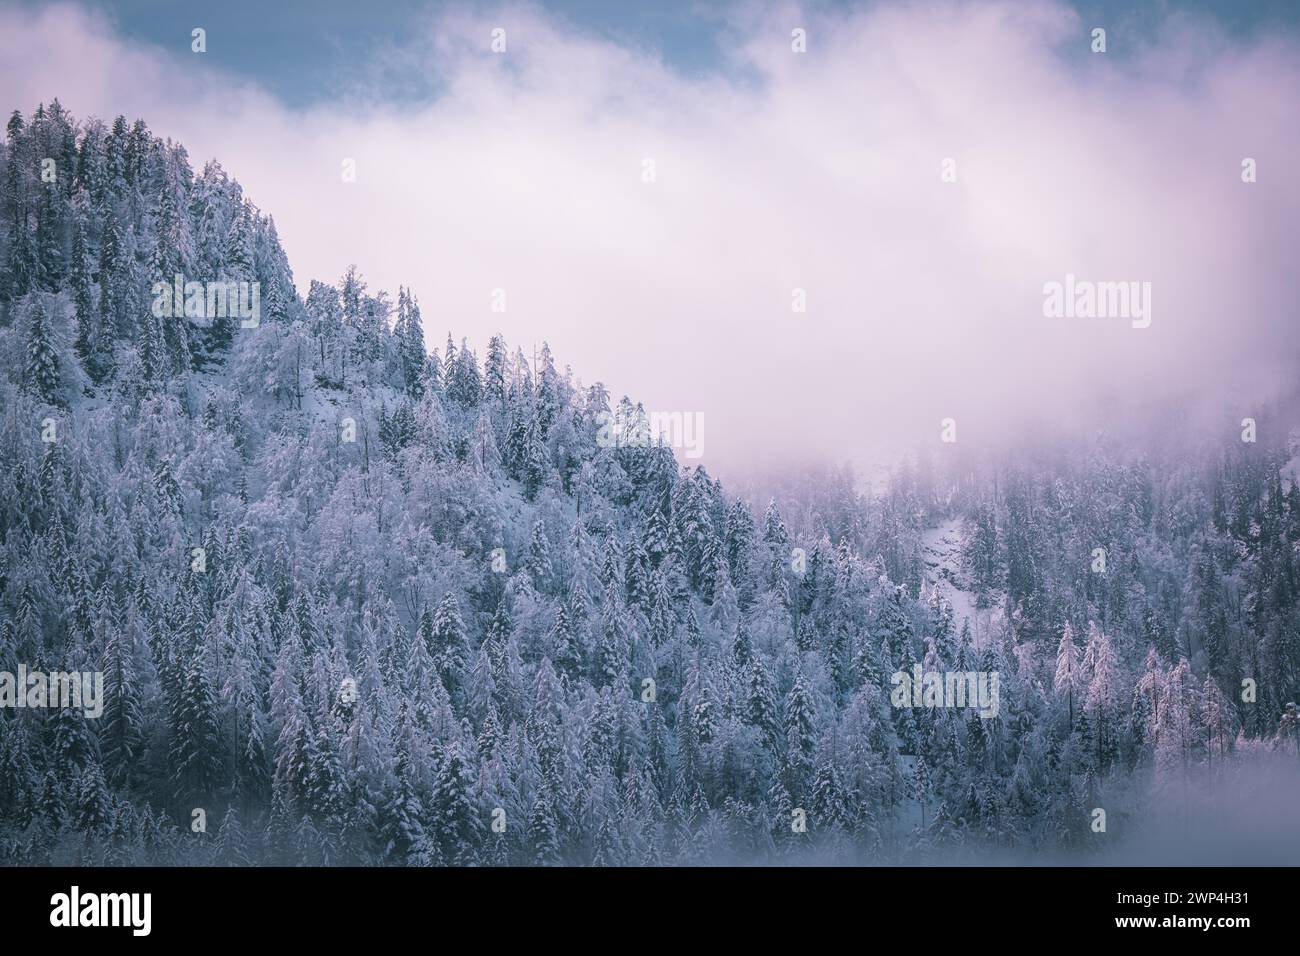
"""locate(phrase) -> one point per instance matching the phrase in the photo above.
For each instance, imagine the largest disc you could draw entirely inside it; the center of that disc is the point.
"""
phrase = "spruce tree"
(41, 373)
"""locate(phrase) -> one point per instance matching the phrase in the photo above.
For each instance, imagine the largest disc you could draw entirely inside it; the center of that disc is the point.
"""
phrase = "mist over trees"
(360, 601)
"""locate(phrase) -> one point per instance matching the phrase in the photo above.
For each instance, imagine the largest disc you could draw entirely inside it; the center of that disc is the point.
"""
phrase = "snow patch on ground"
(941, 548)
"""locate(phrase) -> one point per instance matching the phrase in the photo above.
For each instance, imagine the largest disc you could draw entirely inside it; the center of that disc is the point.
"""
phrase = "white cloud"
(817, 170)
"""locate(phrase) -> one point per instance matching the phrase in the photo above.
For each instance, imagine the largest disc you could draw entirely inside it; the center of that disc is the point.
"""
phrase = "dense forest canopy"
(358, 601)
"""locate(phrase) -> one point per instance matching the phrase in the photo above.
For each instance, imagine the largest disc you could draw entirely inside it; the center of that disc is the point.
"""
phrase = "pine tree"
(1218, 718)
(405, 841)
(921, 785)
(542, 832)
(24, 271)
(563, 649)
(539, 558)
(19, 781)
(457, 827)
(800, 741)
(1102, 694)
(831, 803)
(111, 294)
(1174, 727)
(94, 810)
(612, 648)
(232, 843)
(75, 745)
(450, 644)
(761, 709)
(197, 753)
(41, 374)
(87, 320)
(121, 735)
(494, 370)
(167, 489)
(410, 337)
(1069, 674)
(326, 791)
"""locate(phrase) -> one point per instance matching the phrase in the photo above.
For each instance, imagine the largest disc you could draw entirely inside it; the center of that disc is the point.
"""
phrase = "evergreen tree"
(453, 808)
(41, 374)
(799, 740)
(197, 755)
(1069, 674)
(121, 736)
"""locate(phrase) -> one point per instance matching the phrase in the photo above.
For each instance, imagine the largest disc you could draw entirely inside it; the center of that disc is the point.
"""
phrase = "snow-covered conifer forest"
(360, 600)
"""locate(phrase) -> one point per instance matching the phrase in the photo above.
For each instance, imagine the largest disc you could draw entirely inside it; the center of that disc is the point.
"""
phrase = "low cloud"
(820, 171)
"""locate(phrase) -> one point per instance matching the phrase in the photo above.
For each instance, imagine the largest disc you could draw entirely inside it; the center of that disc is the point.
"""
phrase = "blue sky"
(305, 53)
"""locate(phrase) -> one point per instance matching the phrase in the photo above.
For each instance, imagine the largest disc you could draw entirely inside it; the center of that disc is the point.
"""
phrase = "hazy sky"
(773, 171)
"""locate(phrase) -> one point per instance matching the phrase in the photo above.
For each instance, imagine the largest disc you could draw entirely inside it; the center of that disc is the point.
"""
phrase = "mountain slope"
(357, 601)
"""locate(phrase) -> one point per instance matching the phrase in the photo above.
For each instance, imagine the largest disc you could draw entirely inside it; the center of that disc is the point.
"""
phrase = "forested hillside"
(363, 602)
